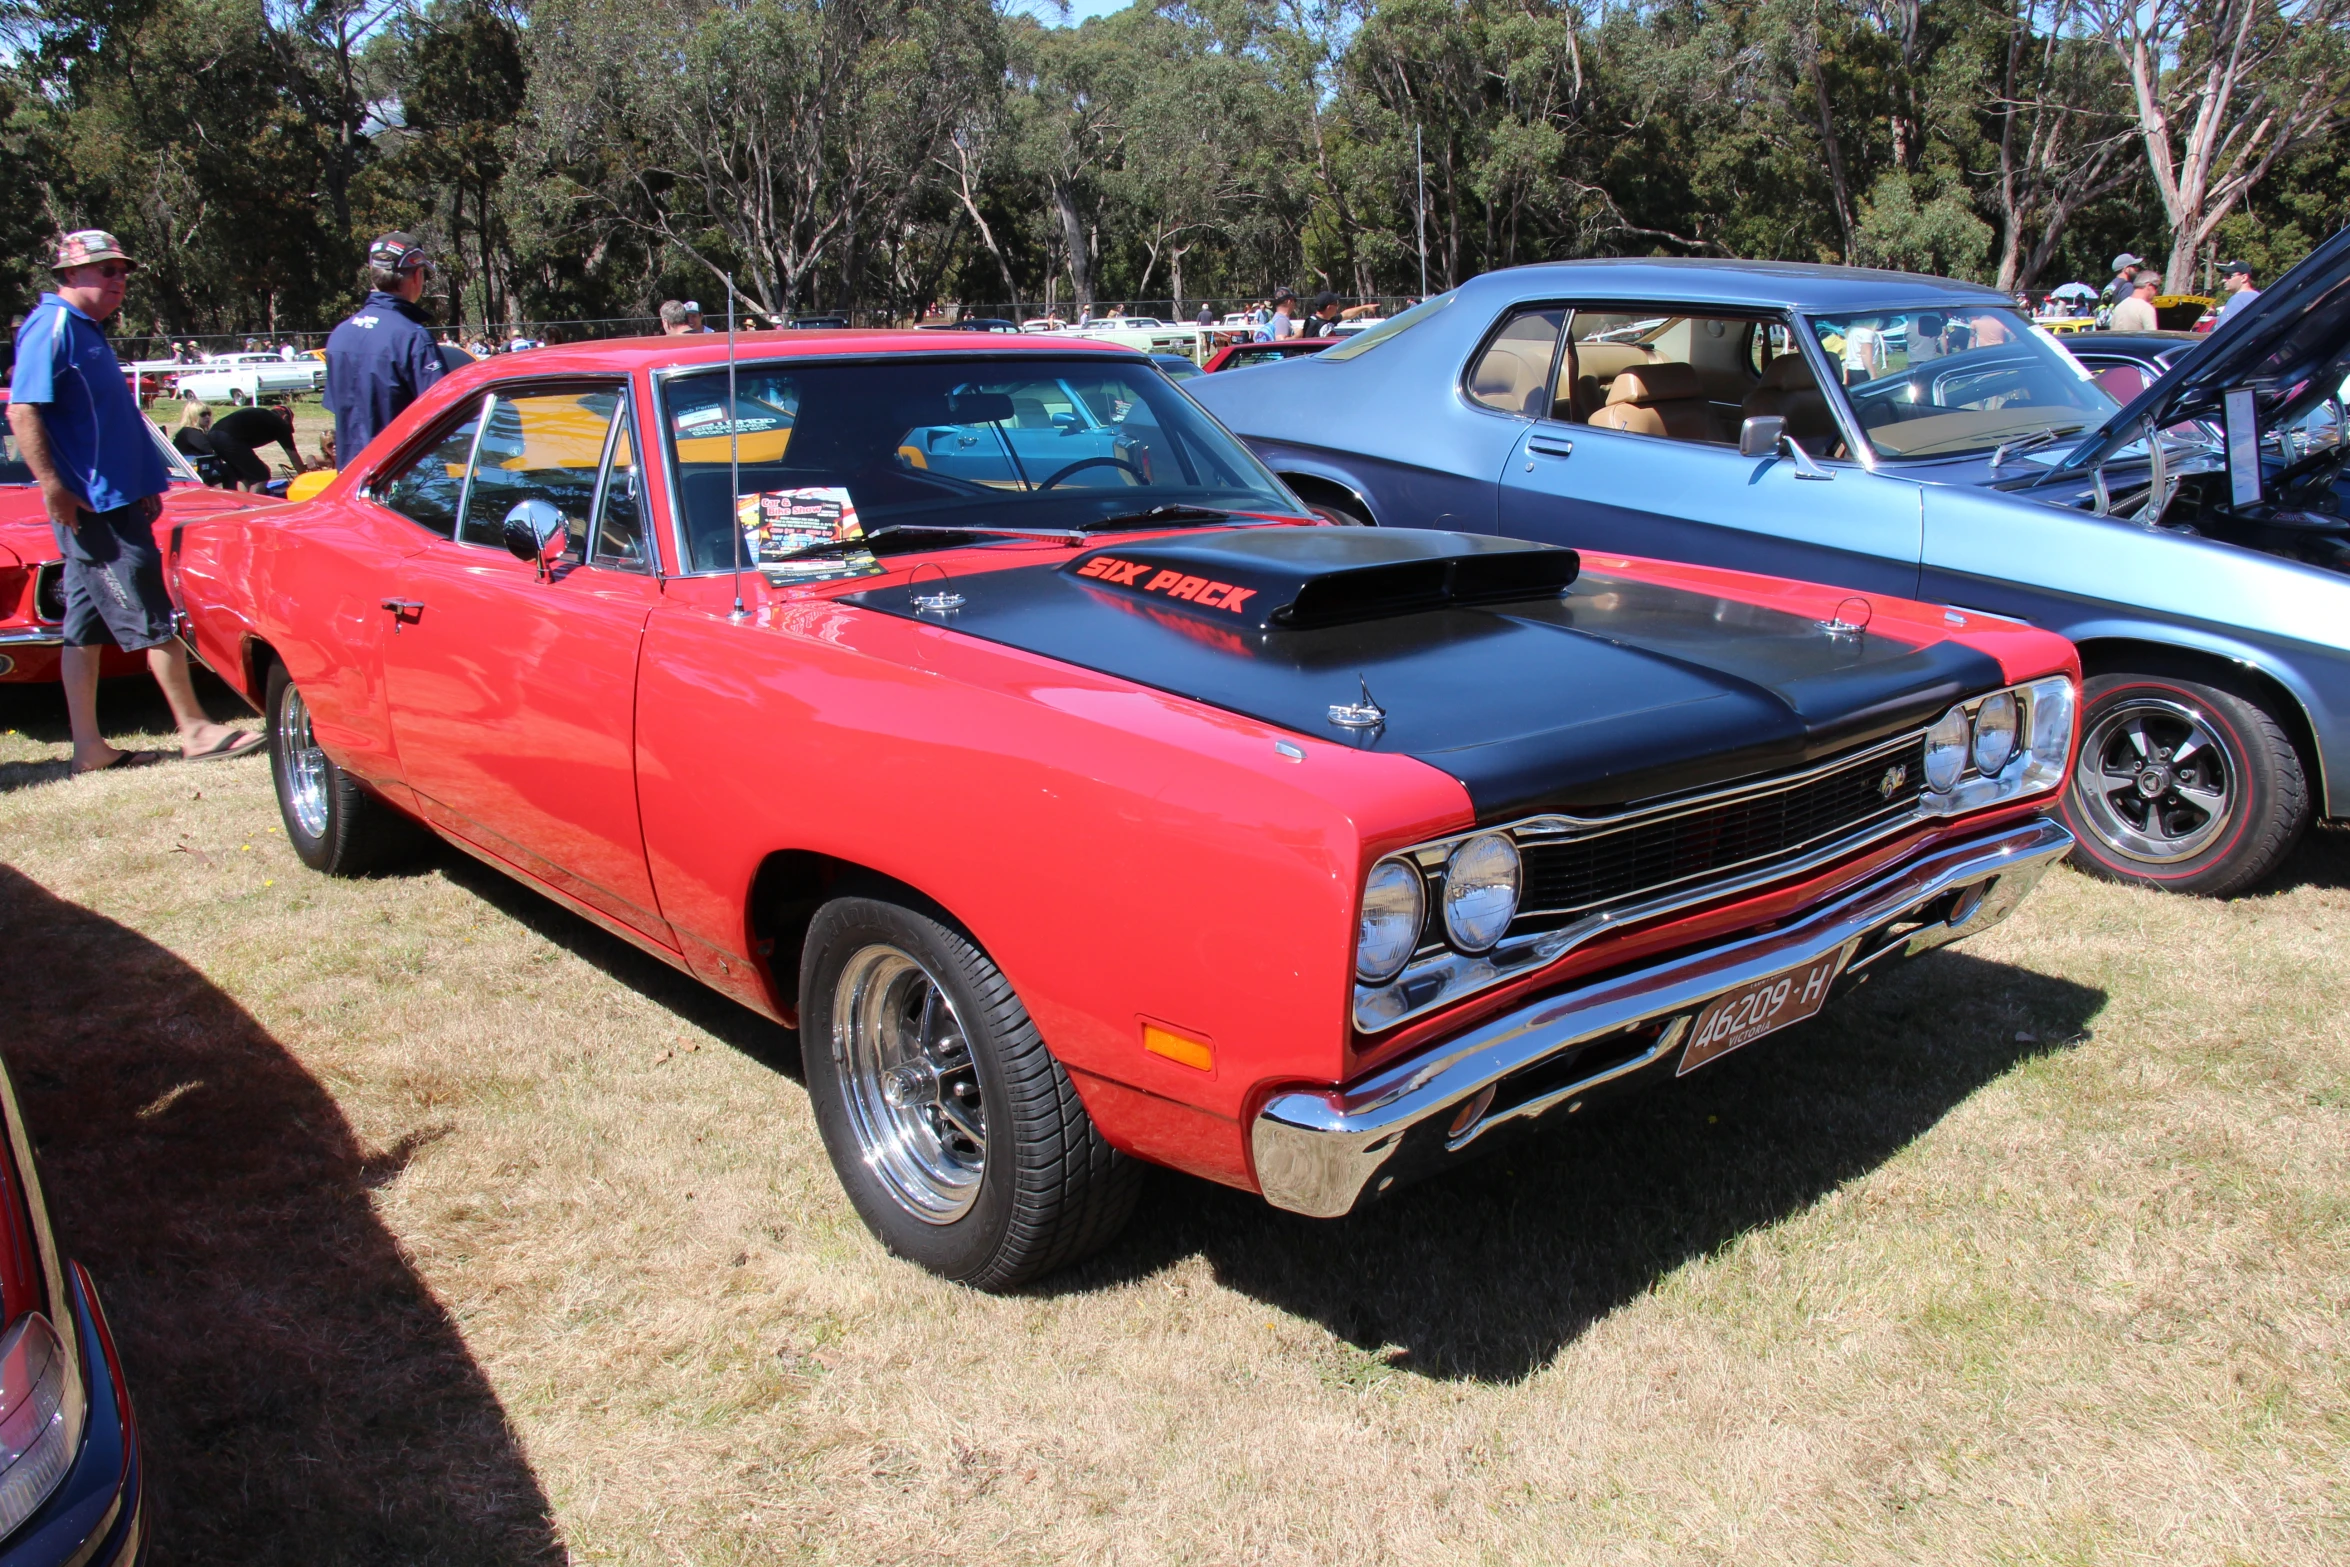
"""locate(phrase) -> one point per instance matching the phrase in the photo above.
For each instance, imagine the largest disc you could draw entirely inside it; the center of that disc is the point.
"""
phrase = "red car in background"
(72, 1487)
(1238, 356)
(32, 580)
(982, 709)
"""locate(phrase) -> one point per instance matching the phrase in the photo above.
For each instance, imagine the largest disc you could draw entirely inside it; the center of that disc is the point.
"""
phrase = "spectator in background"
(1925, 337)
(1283, 323)
(1328, 311)
(237, 436)
(89, 448)
(1207, 313)
(2125, 278)
(382, 358)
(676, 320)
(2136, 313)
(2235, 279)
(693, 317)
(191, 432)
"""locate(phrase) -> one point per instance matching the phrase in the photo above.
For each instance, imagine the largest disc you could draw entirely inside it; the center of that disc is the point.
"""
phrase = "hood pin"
(1852, 617)
(932, 594)
(1366, 714)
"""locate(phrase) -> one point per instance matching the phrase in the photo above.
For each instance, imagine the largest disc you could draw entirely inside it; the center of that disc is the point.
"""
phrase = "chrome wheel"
(2155, 782)
(306, 764)
(912, 1089)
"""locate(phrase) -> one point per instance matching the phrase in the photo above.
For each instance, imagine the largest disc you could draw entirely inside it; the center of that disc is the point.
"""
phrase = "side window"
(538, 446)
(1512, 375)
(428, 490)
(620, 512)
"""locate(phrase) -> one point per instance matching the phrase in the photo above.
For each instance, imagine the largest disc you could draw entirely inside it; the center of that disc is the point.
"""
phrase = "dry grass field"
(439, 1228)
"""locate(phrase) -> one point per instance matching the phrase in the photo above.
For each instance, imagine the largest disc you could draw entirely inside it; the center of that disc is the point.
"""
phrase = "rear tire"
(959, 1139)
(2182, 786)
(334, 825)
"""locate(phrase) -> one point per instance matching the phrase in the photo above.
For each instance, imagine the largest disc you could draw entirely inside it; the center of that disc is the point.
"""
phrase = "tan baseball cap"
(84, 246)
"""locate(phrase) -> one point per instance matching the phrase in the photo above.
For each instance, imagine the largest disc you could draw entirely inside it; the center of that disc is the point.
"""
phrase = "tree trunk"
(1836, 183)
(1073, 235)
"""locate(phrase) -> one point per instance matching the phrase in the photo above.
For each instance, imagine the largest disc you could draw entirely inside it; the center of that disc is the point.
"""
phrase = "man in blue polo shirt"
(382, 358)
(100, 472)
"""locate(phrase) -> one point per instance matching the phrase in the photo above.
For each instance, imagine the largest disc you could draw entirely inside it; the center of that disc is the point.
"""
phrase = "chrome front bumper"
(34, 636)
(1317, 1150)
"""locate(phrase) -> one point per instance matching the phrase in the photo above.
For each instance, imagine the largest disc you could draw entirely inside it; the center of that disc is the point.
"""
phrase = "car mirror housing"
(536, 531)
(1760, 435)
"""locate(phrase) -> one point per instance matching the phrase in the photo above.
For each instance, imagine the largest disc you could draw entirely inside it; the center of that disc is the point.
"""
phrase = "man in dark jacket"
(383, 358)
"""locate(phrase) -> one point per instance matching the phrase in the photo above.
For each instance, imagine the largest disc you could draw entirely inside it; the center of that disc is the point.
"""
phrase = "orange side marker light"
(1184, 1052)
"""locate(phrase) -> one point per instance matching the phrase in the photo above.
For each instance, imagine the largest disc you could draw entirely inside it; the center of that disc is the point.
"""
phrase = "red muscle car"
(32, 582)
(983, 710)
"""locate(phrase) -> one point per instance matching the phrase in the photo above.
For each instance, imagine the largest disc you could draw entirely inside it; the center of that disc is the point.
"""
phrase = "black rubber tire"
(1051, 1191)
(362, 834)
(2274, 805)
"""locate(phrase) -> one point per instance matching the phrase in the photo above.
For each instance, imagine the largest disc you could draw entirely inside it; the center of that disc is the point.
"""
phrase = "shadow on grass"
(723, 1018)
(127, 705)
(302, 1396)
(2322, 861)
(1485, 1273)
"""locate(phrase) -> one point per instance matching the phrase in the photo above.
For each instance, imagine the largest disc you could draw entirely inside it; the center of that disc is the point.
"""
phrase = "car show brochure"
(779, 523)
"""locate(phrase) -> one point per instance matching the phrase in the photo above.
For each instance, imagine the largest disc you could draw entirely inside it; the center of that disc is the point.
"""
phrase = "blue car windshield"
(953, 442)
(1948, 383)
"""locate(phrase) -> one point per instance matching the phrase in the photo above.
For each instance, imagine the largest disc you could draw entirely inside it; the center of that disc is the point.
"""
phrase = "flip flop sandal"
(238, 743)
(123, 761)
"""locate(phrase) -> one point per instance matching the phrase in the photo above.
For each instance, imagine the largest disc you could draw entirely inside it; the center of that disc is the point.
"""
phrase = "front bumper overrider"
(1318, 1150)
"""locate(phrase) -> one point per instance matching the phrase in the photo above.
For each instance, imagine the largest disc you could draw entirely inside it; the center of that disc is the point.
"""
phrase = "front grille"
(49, 591)
(1661, 850)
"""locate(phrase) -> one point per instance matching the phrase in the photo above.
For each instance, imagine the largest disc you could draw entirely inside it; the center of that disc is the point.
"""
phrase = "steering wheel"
(1095, 462)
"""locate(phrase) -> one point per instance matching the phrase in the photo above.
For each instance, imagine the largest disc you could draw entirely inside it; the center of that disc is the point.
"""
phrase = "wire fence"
(194, 346)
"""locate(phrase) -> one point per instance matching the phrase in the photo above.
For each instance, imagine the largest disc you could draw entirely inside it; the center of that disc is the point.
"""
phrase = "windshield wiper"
(1155, 516)
(2026, 443)
(920, 536)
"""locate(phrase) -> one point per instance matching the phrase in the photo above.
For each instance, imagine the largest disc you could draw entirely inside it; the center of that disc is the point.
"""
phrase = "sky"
(1079, 10)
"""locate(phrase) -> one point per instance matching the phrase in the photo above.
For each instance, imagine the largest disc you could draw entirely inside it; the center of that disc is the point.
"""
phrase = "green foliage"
(584, 159)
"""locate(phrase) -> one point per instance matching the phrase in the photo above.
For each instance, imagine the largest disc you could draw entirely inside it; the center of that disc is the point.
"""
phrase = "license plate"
(1748, 1013)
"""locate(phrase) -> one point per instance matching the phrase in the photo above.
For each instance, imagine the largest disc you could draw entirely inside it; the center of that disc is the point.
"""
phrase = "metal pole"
(734, 457)
(1420, 171)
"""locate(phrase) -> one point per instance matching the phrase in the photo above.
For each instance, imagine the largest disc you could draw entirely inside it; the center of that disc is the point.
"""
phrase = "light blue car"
(1917, 437)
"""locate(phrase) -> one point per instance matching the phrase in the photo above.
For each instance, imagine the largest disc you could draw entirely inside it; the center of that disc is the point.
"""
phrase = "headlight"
(1394, 906)
(2018, 742)
(1481, 891)
(35, 1444)
(1995, 732)
(1946, 750)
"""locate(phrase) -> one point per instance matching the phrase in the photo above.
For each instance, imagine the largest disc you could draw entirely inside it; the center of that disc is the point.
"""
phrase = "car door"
(512, 688)
(1632, 415)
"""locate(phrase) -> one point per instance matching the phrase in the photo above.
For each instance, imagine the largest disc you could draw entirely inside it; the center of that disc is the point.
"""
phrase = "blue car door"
(1634, 450)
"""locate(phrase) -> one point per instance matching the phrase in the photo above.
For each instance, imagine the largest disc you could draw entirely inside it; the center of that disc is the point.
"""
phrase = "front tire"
(2182, 786)
(334, 825)
(959, 1139)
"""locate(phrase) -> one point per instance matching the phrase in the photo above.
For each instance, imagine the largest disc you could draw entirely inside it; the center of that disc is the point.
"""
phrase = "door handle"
(404, 611)
(1550, 446)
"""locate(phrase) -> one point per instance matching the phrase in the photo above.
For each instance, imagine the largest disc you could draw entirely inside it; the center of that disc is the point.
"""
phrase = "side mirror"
(536, 531)
(1760, 436)
(1068, 424)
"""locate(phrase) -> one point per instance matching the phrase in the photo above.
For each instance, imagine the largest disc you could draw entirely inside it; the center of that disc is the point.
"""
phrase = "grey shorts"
(114, 580)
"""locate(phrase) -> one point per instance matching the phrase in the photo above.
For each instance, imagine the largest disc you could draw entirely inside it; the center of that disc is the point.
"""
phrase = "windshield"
(1364, 342)
(960, 442)
(1942, 383)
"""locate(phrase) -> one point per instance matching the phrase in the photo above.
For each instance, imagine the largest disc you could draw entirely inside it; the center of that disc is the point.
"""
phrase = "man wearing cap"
(382, 358)
(1328, 311)
(1284, 323)
(2236, 278)
(2125, 278)
(79, 430)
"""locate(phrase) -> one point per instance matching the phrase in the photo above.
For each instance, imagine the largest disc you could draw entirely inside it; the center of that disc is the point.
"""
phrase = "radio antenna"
(734, 458)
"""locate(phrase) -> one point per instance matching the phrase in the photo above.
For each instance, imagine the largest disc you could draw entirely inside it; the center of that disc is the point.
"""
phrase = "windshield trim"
(1827, 372)
(672, 482)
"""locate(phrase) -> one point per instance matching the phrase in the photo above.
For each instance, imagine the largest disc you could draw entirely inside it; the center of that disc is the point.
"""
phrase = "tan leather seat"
(1660, 399)
(1788, 391)
(1504, 379)
(1594, 366)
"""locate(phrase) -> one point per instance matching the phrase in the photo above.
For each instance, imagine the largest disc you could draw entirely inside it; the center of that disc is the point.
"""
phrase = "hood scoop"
(1304, 579)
